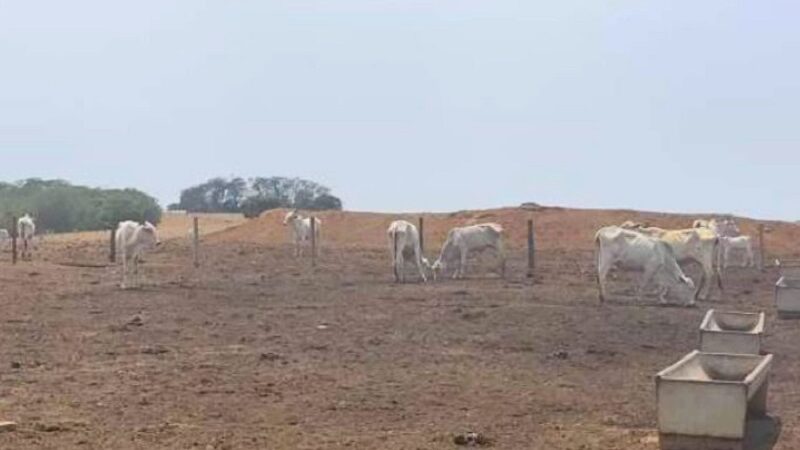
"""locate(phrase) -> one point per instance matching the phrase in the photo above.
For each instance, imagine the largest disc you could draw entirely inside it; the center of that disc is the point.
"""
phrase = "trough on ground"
(732, 332)
(708, 396)
(789, 269)
(787, 298)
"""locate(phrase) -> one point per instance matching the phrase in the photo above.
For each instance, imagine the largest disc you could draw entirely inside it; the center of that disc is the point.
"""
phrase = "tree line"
(59, 206)
(255, 195)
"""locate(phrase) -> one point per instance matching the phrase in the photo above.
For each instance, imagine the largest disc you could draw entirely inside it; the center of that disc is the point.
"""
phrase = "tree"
(60, 206)
(256, 195)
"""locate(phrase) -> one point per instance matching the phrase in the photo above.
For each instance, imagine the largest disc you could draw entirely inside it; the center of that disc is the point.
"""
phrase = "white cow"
(475, 238)
(132, 240)
(26, 229)
(301, 230)
(404, 243)
(700, 245)
(742, 244)
(631, 250)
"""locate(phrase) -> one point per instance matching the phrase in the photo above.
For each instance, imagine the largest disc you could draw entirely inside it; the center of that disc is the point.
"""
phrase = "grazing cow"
(742, 244)
(301, 230)
(132, 240)
(700, 245)
(26, 229)
(404, 243)
(461, 241)
(631, 250)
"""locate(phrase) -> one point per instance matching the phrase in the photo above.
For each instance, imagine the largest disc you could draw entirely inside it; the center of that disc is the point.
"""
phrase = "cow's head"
(148, 236)
(439, 266)
(684, 288)
(291, 216)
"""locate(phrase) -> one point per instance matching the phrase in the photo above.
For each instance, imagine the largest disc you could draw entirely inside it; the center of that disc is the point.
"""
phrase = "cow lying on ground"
(132, 240)
(461, 241)
(700, 245)
(26, 229)
(404, 243)
(631, 250)
(301, 230)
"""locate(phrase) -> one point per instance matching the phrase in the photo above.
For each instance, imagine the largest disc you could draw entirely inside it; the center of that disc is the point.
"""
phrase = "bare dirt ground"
(257, 350)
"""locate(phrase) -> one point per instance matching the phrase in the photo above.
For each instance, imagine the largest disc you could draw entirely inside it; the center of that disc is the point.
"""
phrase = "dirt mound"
(556, 228)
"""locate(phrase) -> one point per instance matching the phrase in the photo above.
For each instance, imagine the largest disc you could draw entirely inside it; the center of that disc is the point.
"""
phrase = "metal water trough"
(708, 396)
(787, 297)
(732, 332)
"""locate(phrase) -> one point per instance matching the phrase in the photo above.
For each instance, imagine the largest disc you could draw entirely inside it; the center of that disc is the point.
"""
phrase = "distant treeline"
(256, 195)
(59, 206)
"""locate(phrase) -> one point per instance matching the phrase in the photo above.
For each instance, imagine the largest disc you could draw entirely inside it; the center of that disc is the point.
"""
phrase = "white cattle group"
(708, 243)
(731, 241)
(301, 230)
(404, 243)
(132, 240)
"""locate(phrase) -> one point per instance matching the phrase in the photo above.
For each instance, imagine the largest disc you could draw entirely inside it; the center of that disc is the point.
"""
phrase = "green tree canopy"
(255, 195)
(59, 206)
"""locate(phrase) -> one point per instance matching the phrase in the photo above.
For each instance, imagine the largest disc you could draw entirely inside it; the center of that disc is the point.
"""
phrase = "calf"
(301, 230)
(475, 238)
(631, 250)
(404, 243)
(132, 240)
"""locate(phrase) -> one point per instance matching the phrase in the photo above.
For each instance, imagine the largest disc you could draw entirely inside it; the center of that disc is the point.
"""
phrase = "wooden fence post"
(112, 245)
(313, 241)
(196, 241)
(13, 240)
(761, 250)
(531, 249)
(422, 234)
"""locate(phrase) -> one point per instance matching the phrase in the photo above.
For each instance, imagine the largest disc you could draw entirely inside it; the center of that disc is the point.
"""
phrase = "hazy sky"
(414, 105)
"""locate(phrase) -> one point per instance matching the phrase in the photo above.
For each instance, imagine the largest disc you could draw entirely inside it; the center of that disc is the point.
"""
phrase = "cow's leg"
(462, 266)
(136, 279)
(750, 259)
(124, 258)
(401, 266)
(501, 254)
(649, 272)
(603, 267)
(418, 260)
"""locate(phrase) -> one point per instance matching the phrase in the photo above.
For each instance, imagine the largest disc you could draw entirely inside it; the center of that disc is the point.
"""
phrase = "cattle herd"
(655, 252)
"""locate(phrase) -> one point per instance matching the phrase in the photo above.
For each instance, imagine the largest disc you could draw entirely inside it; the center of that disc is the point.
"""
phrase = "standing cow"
(301, 230)
(475, 238)
(631, 250)
(26, 229)
(404, 243)
(132, 240)
(742, 244)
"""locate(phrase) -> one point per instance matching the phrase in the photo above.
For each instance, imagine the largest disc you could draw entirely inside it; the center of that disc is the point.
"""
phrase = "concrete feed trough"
(709, 396)
(732, 332)
(789, 269)
(787, 297)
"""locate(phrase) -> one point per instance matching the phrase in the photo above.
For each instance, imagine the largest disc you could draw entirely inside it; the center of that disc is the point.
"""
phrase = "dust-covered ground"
(255, 349)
